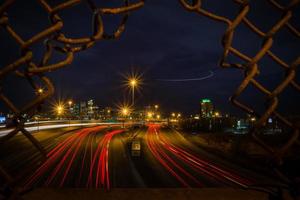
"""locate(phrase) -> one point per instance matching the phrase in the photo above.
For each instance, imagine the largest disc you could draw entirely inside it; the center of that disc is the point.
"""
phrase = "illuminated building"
(92, 109)
(83, 109)
(75, 110)
(90, 105)
(2, 119)
(106, 113)
(206, 108)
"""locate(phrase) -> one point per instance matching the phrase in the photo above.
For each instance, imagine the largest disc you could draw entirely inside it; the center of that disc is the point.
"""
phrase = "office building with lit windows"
(206, 108)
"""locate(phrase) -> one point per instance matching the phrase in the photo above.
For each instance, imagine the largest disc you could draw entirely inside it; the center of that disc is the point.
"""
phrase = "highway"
(101, 156)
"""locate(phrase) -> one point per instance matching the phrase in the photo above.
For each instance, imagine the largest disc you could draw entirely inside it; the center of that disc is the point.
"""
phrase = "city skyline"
(190, 52)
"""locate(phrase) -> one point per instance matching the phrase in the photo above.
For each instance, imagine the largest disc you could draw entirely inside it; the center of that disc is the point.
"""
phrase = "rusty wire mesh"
(54, 40)
(251, 67)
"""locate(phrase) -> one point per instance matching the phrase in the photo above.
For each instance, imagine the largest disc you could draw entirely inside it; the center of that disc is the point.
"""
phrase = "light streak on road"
(89, 141)
(56, 126)
(40, 122)
(204, 167)
(55, 154)
(61, 160)
(159, 146)
(162, 157)
(102, 168)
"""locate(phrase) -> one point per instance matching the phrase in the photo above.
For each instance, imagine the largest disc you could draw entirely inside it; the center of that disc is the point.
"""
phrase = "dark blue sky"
(162, 41)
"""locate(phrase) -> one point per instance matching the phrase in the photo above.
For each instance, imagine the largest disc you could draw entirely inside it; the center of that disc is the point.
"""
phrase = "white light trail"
(53, 126)
(211, 74)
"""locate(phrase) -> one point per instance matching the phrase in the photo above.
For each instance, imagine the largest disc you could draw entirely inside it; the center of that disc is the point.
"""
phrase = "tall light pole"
(124, 112)
(70, 102)
(59, 109)
(39, 91)
(133, 83)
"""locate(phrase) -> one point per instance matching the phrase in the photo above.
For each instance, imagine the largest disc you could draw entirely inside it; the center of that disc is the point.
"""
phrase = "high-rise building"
(75, 110)
(90, 107)
(106, 113)
(206, 108)
(83, 109)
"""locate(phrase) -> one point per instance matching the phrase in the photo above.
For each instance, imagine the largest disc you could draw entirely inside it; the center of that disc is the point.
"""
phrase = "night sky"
(161, 41)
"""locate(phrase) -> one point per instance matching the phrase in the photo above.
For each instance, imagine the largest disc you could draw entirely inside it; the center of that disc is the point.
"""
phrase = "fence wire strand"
(56, 40)
(251, 67)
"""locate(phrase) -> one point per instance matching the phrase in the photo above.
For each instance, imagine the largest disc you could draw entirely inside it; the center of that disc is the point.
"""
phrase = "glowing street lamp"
(149, 114)
(133, 83)
(40, 90)
(157, 116)
(125, 111)
(217, 114)
(173, 114)
(59, 109)
(70, 102)
(156, 107)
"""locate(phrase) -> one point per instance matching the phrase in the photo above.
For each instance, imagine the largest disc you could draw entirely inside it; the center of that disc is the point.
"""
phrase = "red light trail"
(102, 169)
(160, 147)
(61, 160)
(87, 153)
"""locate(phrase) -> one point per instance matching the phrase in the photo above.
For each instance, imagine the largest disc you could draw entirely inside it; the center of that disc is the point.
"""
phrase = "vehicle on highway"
(136, 148)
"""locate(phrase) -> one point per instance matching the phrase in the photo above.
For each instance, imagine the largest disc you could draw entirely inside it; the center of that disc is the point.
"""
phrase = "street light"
(149, 114)
(70, 102)
(125, 111)
(133, 82)
(59, 109)
(40, 90)
(217, 114)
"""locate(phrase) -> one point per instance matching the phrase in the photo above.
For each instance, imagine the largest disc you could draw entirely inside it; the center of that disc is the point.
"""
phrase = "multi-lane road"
(112, 157)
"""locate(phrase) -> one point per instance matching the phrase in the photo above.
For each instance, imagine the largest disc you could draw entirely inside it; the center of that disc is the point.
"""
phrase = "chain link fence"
(251, 67)
(55, 40)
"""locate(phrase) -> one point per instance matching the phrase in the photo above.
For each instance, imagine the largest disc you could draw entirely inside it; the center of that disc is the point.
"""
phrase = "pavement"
(98, 161)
